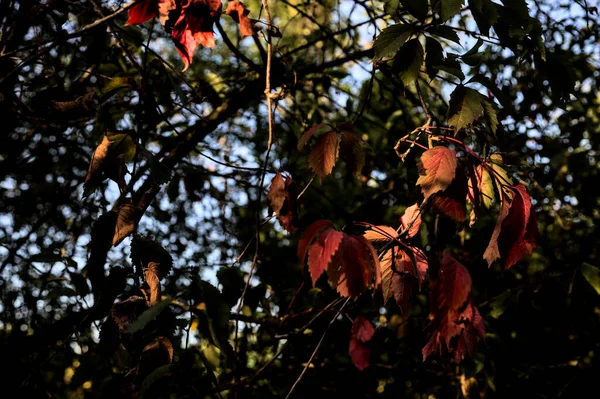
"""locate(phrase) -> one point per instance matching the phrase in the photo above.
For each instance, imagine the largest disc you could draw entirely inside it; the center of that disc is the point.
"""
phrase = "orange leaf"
(322, 251)
(380, 233)
(324, 154)
(239, 13)
(437, 169)
(308, 235)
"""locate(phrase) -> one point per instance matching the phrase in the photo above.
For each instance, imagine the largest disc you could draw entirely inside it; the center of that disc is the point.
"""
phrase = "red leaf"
(456, 322)
(455, 281)
(359, 353)
(362, 329)
(282, 200)
(308, 235)
(323, 155)
(437, 168)
(145, 10)
(514, 235)
(452, 202)
(308, 134)
(374, 258)
(349, 270)
(400, 283)
(195, 26)
(362, 332)
(239, 13)
(322, 251)
(412, 214)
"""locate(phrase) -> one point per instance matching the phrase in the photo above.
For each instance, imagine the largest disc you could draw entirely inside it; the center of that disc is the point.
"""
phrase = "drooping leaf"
(453, 67)
(323, 155)
(239, 13)
(455, 320)
(308, 134)
(148, 316)
(100, 243)
(282, 200)
(437, 169)
(322, 252)
(94, 175)
(195, 26)
(308, 235)
(127, 220)
(408, 61)
(411, 220)
(465, 107)
(350, 271)
(450, 8)
(514, 235)
(402, 270)
(391, 39)
(592, 275)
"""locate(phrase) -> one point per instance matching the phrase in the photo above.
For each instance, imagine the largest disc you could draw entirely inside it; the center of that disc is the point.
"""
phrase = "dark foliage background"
(64, 83)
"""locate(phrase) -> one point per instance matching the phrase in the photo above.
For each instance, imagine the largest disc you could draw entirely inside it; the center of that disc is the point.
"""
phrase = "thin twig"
(316, 349)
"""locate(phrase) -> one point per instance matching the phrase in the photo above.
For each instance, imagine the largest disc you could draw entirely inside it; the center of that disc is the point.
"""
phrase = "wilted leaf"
(127, 220)
(94, 175)
(239, 13)
(145, 251)
(156, 354)
(323, 155)
(592, 275)
(391, 39)
(126, 312)
(350, 270)
(465, 107)
(514, 235)
(322, 251)
(437, 169)
(408, 61)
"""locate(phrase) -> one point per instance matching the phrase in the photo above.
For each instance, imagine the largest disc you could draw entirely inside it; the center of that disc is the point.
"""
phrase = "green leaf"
(122, 143)
(474, 49)
(452, 67)
(159, 172)
(391, 6)
(592, 275)
(500, 175)
(491, 86)
(450, 8)
(216, 325)
(148, 316)
(408, 61)
(465, 107)
(485, 14)
(417, 8)
(490, 114)
(153, 377)
(446, 32)
(114, 85)
(391, 40)
(434, 56)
